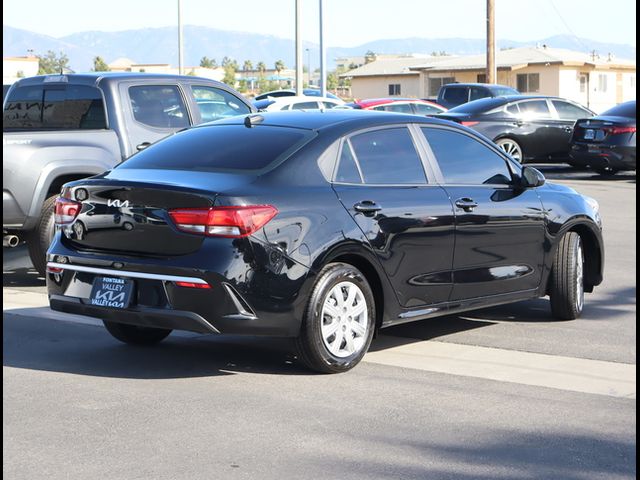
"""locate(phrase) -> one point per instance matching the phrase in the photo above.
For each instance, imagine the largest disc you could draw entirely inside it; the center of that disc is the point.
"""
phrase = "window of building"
(583, 79)
(388, 156)
(602, 82)
(481, 78)
(463, 160)
(394, 89)
(528, 82)
(436, 83)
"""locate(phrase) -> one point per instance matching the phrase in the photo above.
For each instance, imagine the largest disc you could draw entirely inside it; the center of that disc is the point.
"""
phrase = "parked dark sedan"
(529, 128)
(607, 142)
(323, 226)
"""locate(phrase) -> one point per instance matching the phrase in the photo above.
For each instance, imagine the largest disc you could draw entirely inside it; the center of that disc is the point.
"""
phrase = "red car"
(399, 105)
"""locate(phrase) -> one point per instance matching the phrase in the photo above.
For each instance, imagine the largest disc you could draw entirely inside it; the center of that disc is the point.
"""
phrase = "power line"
(567, 26)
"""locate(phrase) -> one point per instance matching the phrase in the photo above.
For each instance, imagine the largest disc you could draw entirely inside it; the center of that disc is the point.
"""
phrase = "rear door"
(567, 114)
(539, 132)
(407, 218)
(152, 111)
(499, 241)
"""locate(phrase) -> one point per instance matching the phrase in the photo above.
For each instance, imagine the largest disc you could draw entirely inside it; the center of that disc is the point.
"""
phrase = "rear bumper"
(12, 214)
(603, 156)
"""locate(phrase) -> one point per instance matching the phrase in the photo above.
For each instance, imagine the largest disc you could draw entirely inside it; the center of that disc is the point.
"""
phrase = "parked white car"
(297, 103)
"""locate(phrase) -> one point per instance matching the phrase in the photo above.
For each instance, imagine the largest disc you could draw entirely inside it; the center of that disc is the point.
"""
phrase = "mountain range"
(159, 45)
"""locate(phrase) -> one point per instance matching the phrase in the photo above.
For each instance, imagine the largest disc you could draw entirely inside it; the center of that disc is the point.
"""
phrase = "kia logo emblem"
(117, 203)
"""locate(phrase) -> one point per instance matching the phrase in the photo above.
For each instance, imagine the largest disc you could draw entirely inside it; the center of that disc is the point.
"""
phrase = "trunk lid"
(595, 130)
(127, 211)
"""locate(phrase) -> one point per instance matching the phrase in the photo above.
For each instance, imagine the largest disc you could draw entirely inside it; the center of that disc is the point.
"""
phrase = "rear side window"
(215, 103)
(388, 156)
(347, 168)
(159, 106)
(305, 106)
(395, 107)
(424, 109)
(569, 111)
(477, 93)
(464, 160)
(221, 148)
(456, 95)
(60, 107)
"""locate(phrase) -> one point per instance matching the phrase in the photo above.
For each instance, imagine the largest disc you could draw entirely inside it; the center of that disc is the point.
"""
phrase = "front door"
(499, 225)
(408, 222)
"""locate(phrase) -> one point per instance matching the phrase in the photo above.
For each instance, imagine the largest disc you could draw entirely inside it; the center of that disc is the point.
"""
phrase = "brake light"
(223, 221)
(54, 270)
(66, 211)
(619, 130)
(193, 285)
(469, 124)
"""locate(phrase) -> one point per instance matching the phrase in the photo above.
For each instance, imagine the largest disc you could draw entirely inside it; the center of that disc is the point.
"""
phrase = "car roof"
(471, 84)
(93, 78)
(322, 119)
(301, 98)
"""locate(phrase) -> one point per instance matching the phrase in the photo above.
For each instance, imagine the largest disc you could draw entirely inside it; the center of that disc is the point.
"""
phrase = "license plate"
(589, 134)
(111, 292)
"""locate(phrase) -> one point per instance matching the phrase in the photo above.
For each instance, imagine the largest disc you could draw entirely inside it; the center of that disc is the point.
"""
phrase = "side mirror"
(531, 177)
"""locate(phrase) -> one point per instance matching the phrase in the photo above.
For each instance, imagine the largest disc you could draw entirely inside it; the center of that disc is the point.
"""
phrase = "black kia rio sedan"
(322, 226)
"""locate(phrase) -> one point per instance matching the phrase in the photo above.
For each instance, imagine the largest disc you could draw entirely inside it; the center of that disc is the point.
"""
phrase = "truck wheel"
(39, 238)
(135, 335)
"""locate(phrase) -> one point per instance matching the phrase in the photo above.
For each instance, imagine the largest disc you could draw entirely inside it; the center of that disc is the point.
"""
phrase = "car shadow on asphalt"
(22, 277)
(563, 171)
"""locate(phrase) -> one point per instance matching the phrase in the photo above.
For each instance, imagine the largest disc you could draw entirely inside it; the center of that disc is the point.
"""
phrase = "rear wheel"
(606, 171)
(339, 321)
(567, 278)
(511, 147)
(135, 335)
(39, 238)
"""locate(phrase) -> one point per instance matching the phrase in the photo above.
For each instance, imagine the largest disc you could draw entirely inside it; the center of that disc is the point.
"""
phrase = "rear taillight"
(469, 124)
(223, 221)
(66, 211)
(619, 130)
(200, 286)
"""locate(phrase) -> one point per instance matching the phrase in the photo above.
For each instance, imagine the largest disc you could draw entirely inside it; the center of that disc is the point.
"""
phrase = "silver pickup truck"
(59, 128)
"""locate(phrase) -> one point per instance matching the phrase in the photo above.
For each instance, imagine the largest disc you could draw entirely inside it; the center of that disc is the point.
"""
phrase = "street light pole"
(308, 65)
(323, 55)
(299, 80)
(180, 52)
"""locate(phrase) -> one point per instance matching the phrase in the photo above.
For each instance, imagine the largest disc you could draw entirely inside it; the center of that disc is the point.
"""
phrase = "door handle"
(466, 204)
(367, 207)
(143, 145)
(568, 129)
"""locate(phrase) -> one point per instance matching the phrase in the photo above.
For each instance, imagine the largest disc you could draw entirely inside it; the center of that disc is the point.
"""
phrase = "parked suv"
(59, 128)
(453, 94)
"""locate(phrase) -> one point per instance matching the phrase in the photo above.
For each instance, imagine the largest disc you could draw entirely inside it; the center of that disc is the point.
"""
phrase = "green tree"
(247, 65)
(279, 66)
(261, 67)
(207, 62)
(369, 57)
(332, 81)
(99, 65)
(19, 74)
(52, 63)
(230, 67)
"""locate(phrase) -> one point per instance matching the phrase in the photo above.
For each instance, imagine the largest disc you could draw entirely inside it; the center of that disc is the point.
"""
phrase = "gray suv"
(59, 128)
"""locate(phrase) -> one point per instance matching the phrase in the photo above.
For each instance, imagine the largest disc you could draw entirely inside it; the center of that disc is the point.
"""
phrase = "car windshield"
(623, 110)
(230, 148)
(503, 91)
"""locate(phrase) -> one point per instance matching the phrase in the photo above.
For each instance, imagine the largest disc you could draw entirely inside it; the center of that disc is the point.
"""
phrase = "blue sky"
(348, 22)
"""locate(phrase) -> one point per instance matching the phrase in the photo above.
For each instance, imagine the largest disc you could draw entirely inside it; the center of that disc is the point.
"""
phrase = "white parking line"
(552, 371)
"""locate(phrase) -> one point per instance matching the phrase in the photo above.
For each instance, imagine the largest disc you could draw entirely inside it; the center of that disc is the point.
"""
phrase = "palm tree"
(247, 65)
(279, 66)
(262, 67)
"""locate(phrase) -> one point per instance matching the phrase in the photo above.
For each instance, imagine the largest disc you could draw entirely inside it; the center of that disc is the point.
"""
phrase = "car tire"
(40, 237)
(567, 278)
(135, 335)
(512, 148)
(339, 320)
(606, 171)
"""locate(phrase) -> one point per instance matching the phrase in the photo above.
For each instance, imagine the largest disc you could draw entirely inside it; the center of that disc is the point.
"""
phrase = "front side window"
(159, 106)
(464, 160)
(60, 107)
(388, 156)
(424, 109)
(215, 103)
(395, 107)
(569, 111)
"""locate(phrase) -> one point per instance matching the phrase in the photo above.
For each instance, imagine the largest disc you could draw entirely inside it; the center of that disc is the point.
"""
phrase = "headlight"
(593, 203)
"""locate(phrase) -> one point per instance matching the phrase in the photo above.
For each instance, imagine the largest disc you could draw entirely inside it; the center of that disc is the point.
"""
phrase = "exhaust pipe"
(10, 241)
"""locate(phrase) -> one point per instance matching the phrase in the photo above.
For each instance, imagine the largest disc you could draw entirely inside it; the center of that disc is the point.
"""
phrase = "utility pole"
(323, 56)
(180, 52)
(492, 74)
(299, 80)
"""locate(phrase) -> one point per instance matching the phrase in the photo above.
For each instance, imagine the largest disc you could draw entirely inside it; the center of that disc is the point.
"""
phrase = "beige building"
(14, 68)
(598, 82)
(128, 65)
(388, 77)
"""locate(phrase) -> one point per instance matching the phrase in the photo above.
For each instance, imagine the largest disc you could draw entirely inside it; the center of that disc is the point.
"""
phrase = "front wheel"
(339, 320)
(512, 148)
(134, 335)
(567, 278)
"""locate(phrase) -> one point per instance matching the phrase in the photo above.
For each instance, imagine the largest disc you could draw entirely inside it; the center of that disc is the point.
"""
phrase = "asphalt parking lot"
(502, 393)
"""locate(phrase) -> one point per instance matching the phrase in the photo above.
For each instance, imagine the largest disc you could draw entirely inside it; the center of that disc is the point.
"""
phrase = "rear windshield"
(221, 148)
(623, 110)
(503, 91)
(59, 107)
(479, 106)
